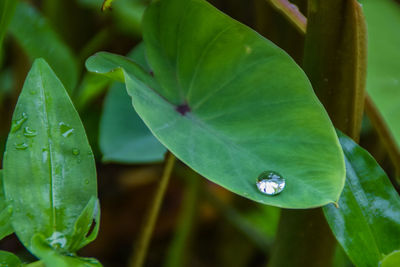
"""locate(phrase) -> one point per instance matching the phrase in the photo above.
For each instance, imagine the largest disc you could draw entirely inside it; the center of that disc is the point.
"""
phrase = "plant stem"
(145, 235)
(384, 133)
(292, 12)
(177, 252)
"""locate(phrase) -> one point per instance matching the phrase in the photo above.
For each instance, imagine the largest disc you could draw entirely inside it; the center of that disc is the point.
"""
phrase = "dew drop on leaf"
(45, 155)
(16, 124)
(270, 183)
(28, 132)
(65, 129)
(21, 146)
(75, 151)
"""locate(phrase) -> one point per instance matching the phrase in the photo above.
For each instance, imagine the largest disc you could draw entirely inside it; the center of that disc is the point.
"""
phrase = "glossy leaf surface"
(8, 259)
(367, 222)
(231, 105)
(5, 212)
(49, 169)
(383, 80)
(124, 137)
(36, 36)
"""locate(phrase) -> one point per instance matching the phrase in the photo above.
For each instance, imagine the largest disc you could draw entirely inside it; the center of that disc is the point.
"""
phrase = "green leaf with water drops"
(391, 260)
(231, 105)
(5, 212)
(8, 259)
(36, 36)
(367, 222)
(53, 258)
(124, 137)
(49, 169)
(383, 80)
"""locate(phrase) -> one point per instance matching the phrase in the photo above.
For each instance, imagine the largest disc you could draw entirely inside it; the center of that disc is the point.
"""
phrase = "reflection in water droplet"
(75, 151)
(65, 129)
(28, 132)
(16, 124)
(45, 155)
(270, 183)
(57, 240)
(21, 146)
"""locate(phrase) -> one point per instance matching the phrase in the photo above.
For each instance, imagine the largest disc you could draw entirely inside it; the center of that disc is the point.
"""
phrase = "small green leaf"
(5, 212)
(231, 105)
(383, 80)
(7, 8)
(124, 137)
(53, 258)
(8, 259)
(89, 216)
(367, 222)
(49, 169)
(36, 36)
(391, 260)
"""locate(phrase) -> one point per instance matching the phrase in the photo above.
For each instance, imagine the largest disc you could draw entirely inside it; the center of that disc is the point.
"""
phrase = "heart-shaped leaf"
(367, 222)
(231, 105)
(49, 170)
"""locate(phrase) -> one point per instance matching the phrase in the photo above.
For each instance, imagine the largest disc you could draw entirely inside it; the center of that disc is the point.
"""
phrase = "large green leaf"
(36, 36)
(7, 8)
(123, 135)
(383, 80)
(49, 169)
(231, 105)
(367, 222)
(5, 212)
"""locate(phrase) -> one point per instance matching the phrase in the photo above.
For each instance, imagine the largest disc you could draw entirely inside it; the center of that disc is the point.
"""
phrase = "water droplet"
(16, 124)
(21, 146)
(65, 129)
(270, 183)
(33, 92)
(86, 181)
(57, 240)
(75, 151)
(28, 132)
(45, 155)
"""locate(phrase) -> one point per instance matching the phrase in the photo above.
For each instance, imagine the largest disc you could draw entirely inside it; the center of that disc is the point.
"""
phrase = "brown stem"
(383, 132)
(292, 12)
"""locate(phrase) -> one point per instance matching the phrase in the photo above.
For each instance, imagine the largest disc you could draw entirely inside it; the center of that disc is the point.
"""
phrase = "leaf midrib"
(50, 165)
